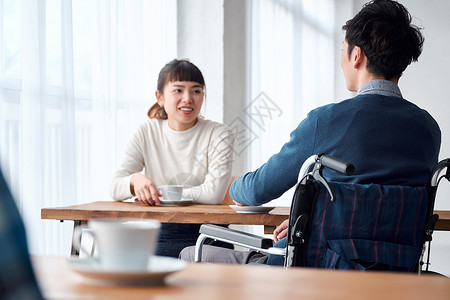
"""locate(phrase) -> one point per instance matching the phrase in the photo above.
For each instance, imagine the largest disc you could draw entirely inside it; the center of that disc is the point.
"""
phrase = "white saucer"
(159, 268)
(183, 201)
(252, 209)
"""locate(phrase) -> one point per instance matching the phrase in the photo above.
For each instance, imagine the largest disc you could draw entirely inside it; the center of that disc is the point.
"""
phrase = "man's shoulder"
(359, 102)
(333, 107)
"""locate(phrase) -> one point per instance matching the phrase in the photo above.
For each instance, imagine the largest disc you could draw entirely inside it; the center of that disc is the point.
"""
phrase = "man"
(17, 279)
(389, 140)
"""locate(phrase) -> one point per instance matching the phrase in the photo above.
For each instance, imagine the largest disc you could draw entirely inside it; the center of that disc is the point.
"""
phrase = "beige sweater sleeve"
(219, 161)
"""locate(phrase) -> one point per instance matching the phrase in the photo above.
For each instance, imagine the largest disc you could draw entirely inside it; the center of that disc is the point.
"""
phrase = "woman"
(176, 146)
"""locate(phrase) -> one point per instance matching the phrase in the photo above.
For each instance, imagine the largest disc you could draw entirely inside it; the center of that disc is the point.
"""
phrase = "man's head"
(383, 31)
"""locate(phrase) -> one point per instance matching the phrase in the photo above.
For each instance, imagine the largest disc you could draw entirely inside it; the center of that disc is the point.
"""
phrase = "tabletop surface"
(209, 281)
(216, 214)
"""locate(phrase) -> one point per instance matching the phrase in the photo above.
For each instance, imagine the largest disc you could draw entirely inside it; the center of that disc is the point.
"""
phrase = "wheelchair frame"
(312, 168)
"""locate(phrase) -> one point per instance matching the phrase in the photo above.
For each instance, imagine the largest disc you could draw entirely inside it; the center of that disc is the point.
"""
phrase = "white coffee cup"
(171, 192)
(121, 245)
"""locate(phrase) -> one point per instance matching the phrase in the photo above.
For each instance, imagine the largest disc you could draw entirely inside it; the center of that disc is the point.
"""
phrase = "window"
(292, 70)
(76, 77)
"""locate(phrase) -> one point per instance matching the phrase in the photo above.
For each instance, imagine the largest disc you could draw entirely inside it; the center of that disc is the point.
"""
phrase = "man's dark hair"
(383, 30)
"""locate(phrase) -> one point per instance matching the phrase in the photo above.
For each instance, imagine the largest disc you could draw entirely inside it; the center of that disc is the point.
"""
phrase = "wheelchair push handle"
(337, 164)
(438, 170)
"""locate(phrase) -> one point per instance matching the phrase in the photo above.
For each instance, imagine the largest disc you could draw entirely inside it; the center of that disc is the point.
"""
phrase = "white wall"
(236, 69)
(200, 38)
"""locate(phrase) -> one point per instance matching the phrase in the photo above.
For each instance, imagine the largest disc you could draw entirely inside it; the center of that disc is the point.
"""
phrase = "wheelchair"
(347, 225)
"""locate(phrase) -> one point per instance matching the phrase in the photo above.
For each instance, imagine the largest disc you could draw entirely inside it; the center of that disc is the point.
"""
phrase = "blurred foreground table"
(209, 281)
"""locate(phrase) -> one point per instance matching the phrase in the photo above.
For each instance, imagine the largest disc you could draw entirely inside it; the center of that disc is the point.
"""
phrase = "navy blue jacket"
(389, 140)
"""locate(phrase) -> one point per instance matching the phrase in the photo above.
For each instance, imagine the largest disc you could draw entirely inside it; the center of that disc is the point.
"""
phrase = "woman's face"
(182, 101)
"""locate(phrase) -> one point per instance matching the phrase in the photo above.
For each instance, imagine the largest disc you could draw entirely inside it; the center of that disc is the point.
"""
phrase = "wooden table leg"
(269, 229)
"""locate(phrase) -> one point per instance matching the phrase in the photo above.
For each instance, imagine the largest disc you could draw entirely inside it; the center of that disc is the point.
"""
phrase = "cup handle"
(160, 191)
(76, 242)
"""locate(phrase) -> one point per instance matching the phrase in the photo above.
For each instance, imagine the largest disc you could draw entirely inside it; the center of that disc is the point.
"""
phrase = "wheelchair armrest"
(240, 237)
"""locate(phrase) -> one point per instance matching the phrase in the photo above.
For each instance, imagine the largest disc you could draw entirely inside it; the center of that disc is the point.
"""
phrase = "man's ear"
(357, 57)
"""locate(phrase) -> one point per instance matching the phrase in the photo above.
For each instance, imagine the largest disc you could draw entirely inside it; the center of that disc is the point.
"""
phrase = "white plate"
(183, 201)
(252, 209)
(159, 268)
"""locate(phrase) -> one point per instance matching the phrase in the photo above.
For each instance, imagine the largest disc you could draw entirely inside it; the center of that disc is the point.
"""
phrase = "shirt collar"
(380, 87)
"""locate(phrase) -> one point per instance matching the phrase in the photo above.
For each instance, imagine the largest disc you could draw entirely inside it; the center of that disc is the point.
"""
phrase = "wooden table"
(209, 281)
(444, 220)
(216, 214)
(202, 214)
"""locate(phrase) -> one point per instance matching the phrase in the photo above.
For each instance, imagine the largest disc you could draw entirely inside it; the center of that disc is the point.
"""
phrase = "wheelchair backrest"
(369, 226)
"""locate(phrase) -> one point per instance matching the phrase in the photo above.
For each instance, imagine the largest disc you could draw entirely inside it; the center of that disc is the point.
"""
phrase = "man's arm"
(280, 172)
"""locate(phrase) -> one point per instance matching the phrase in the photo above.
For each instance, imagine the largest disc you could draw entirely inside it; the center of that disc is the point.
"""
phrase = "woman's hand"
(145, 190)
(281, 231)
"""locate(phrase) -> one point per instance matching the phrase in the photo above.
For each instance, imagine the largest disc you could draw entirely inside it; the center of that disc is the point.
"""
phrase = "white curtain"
(292, 70)
(76, 77)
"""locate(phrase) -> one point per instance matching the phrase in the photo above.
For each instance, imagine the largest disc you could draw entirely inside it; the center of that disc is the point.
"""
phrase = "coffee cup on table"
(121, 245)
(171, 192)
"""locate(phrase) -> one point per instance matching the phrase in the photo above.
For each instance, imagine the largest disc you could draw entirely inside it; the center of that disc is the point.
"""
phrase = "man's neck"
(367, 76)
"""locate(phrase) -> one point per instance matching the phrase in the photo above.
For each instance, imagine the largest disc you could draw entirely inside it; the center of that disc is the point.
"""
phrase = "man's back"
(388, 139)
